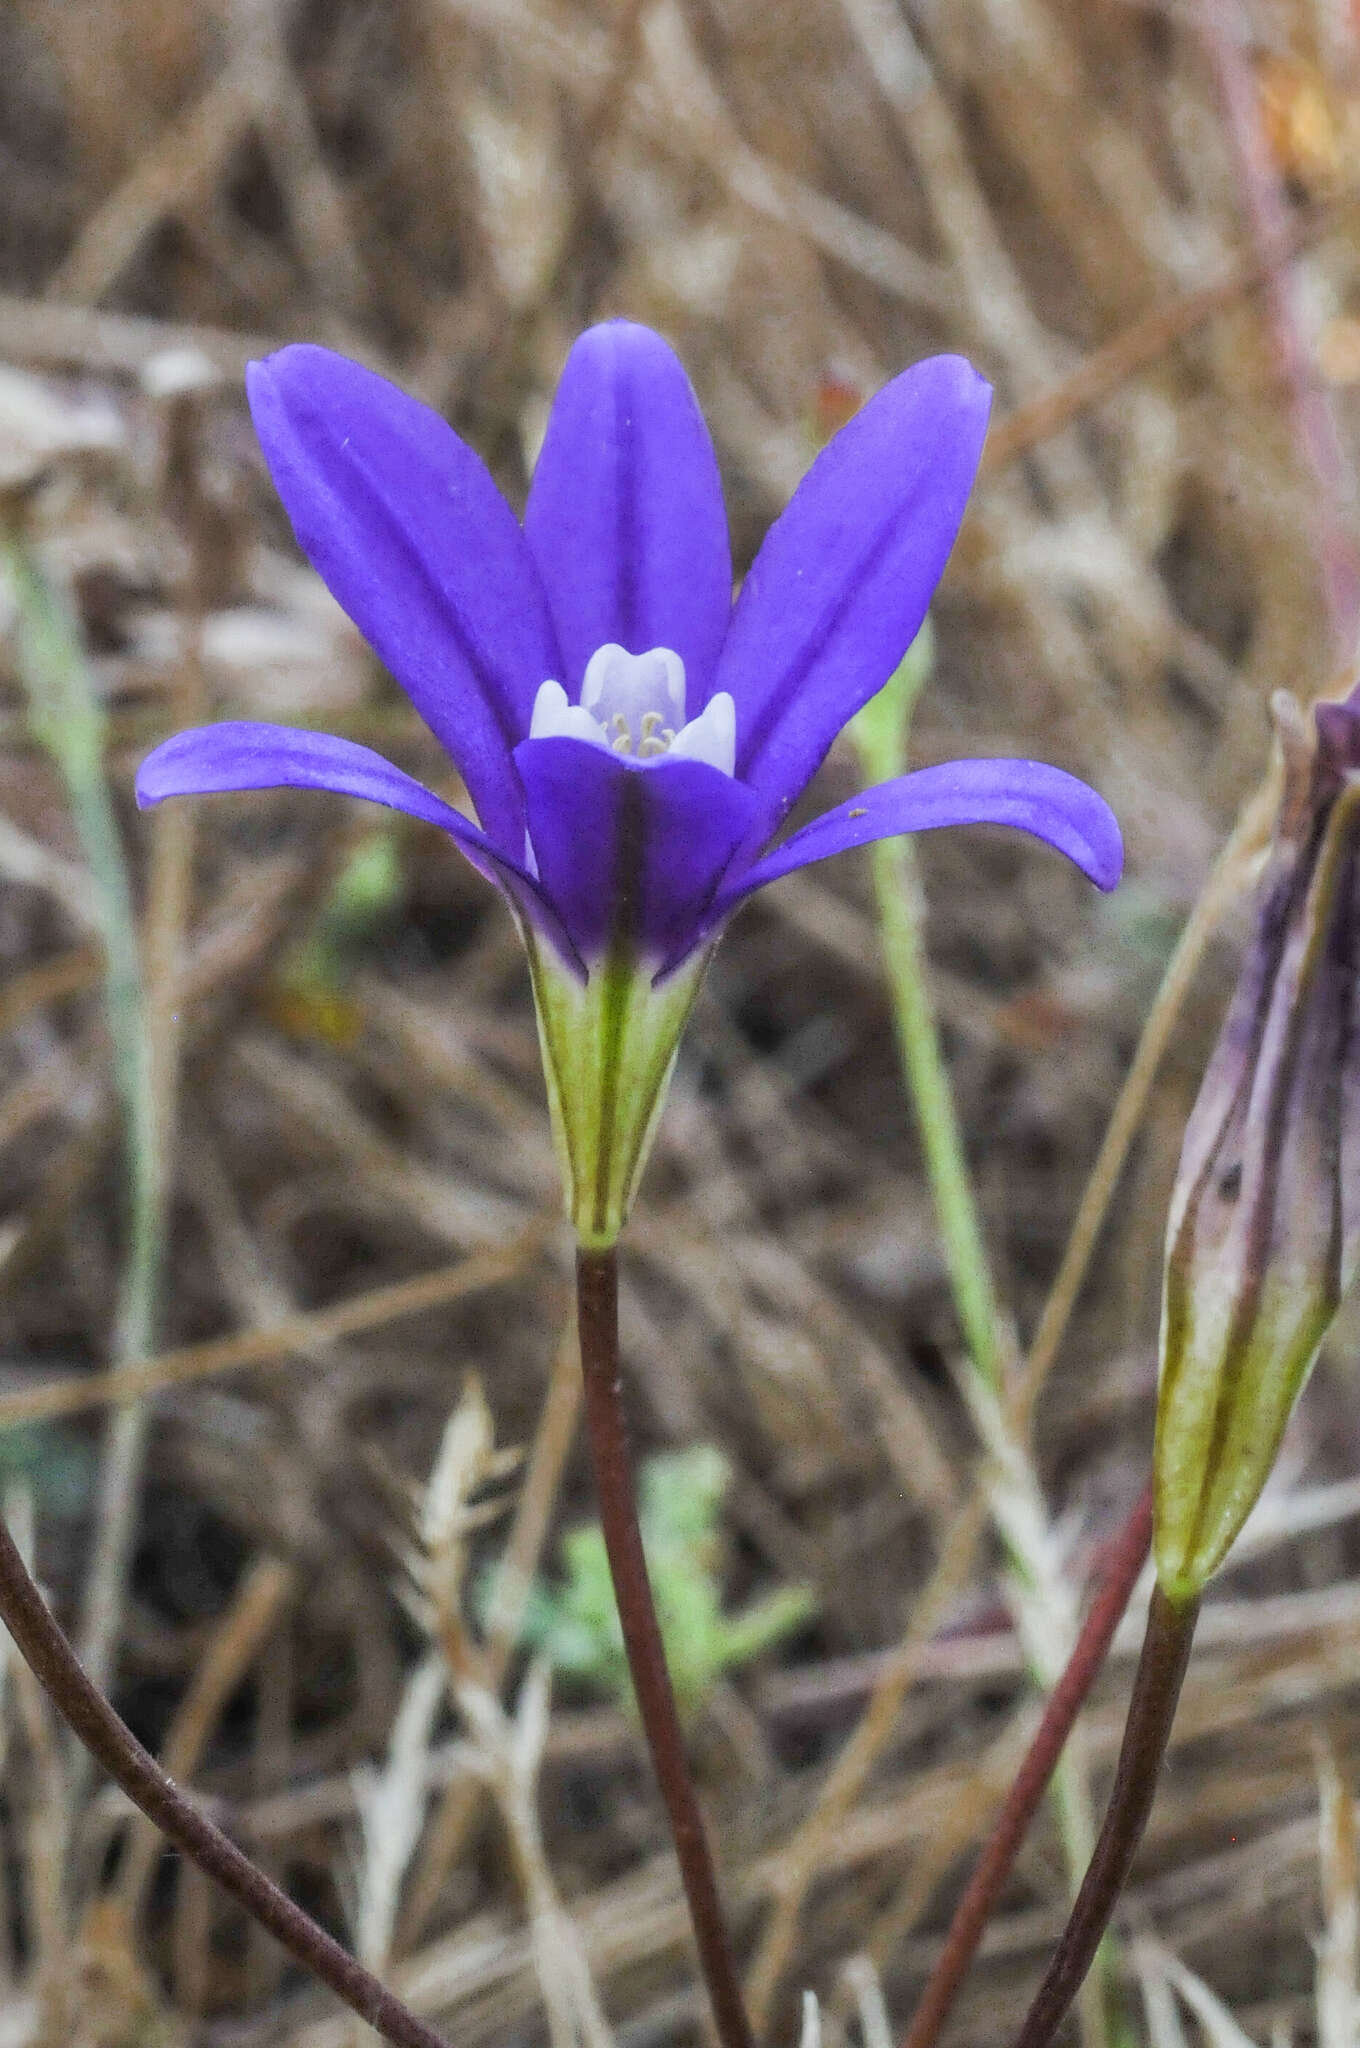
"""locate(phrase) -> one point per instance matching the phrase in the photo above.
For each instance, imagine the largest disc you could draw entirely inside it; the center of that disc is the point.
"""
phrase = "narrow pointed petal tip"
(240, 754)
(1046, 802)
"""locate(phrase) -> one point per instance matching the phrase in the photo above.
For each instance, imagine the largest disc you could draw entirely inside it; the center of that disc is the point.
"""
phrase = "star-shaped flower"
(631, 740)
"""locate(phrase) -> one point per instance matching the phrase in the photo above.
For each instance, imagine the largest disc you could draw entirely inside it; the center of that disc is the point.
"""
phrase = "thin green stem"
(881, 733)
(67, 718)
(1152, 1709)
(597, 1306)
(899, 906)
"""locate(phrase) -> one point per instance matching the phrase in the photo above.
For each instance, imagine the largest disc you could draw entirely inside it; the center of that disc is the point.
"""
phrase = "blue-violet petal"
(630, 853)
(241, 754)
(1053, 805)
(840, 586)
(408, 530)
(625, 515)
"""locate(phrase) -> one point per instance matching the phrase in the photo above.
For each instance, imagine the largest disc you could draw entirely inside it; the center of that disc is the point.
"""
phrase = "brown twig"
(1156, 1689)
(114, 1746)
(1146, 340)
(597, 1308)
(806, 1851)
(272, 1344)
(1226, 882)
(974, 1909)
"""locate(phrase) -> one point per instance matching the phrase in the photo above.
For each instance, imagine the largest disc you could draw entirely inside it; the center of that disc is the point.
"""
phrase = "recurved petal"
(1047, 802)
(408, 530)
(625, 515)
(630, 851)
(240, 754)
(840, 586)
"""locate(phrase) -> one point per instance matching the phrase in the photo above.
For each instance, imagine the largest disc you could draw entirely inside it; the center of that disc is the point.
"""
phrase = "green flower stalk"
(1264, 1227)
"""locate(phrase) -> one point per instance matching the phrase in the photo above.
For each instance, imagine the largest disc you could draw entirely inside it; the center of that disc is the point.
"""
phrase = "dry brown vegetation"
(804, 196)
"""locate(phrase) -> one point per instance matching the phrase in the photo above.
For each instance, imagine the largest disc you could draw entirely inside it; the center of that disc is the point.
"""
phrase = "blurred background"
(277, 1197)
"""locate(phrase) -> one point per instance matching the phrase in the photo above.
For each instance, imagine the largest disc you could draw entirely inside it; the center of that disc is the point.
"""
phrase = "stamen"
(635, 703)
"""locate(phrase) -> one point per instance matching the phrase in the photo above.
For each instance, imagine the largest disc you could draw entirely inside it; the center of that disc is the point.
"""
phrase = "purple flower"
(631, 740)
(644, 785)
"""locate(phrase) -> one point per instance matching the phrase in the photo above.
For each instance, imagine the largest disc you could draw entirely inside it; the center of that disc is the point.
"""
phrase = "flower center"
(638, 699)
(635, 704)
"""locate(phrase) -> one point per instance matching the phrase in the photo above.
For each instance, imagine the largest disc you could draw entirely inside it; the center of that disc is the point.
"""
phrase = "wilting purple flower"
(631, 740)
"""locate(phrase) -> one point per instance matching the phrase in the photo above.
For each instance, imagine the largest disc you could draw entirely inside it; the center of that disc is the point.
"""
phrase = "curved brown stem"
(116, 1748)
(597, 1305)
(1126, 1558)
(1152, 1709)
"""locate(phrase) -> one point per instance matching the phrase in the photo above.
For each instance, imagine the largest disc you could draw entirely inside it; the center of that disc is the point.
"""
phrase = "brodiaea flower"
(631, 741)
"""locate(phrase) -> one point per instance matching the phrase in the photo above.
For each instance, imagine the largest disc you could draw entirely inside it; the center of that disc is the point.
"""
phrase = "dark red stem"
(1125, 1561)
(116, 1748)
(1152, 1709)
(598, 1324)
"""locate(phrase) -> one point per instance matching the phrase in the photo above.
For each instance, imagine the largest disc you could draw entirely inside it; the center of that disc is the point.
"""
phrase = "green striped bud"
(1264, 1227)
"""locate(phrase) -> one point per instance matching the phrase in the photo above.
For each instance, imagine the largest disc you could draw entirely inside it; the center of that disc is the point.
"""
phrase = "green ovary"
(608, 1050)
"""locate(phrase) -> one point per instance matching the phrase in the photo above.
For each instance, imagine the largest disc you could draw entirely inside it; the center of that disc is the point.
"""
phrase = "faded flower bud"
(1265, 1214)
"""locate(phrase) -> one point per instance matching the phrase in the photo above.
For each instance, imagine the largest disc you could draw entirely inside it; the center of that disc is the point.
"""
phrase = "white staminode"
(635, 704)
